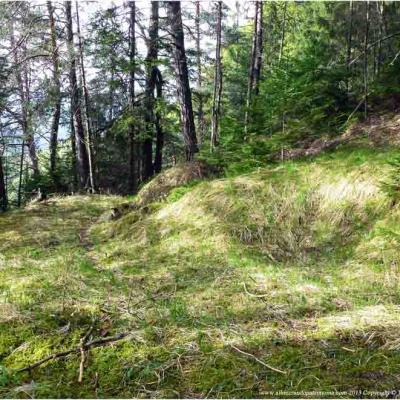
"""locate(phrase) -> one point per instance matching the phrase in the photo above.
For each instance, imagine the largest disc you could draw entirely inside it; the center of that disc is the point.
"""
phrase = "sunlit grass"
(296, 264)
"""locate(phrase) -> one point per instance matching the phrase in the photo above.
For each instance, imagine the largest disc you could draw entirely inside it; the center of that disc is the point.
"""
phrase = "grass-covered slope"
(286, 278)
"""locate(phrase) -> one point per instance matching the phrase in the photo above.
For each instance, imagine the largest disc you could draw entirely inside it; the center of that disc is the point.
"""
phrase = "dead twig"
(83, 353)
(252, 294)
(258, 360)
(88, 345)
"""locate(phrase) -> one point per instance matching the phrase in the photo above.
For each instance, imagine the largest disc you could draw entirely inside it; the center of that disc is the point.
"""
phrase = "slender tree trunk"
(386, 26)
(200, 111)
(283, 33)
(82, 158)
(182, 78)
(133, 148)
(159, 130)
(259, 51)
(21, 170)
(89, 139)
(379, 5)
(366, 59)
(151, 76)
(237, 6)
(30, 139)
(251, 75)
(349, 46)
(374, 56)
(3, 188)
(111, 89)
(57, 96)
(24, 95)
(73, 151)
(215, 112)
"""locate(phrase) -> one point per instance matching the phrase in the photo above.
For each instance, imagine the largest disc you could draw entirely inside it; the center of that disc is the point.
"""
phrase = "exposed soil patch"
(381, 130)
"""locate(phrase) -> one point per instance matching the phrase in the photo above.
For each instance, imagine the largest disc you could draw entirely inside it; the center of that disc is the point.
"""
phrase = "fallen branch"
(260, 296)
(372, 45)
(83, 353)
(258, 360)
(88, 345)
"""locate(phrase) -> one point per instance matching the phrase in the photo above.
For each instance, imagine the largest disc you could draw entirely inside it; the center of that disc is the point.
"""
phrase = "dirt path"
(87, 245)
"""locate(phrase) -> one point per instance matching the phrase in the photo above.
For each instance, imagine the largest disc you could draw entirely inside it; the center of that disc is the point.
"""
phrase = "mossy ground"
(297, 264)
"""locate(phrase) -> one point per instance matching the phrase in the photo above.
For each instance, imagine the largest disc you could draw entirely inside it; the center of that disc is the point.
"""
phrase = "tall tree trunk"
(174, 17)
(89, 141)
(251, 75)
(259, 47)
(56, 95)
(75, 179)
(215, 112)
(385, 21)
(349, 46)
(159, 130)
(133, 149)
(283, 32)
(30, 139)
(151, 76)
(82, 158)
(3, 188)
(200, 111)
(24, 96)
(237, 6)
(21, 170)
(366, 59)
(379, 5)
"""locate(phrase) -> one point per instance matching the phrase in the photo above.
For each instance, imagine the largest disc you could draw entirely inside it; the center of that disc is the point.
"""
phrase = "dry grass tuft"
(297, 266)
(158, 188)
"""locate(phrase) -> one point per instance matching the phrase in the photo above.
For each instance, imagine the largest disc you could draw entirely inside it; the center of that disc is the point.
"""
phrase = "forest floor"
(286, 278)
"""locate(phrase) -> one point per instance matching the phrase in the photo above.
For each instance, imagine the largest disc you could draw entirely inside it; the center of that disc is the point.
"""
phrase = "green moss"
(295, 263)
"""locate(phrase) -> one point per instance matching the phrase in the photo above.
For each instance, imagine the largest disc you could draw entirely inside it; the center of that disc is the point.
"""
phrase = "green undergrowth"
(293, 266)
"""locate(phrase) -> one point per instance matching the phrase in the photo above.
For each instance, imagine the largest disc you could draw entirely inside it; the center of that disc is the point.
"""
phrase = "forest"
(199, 199)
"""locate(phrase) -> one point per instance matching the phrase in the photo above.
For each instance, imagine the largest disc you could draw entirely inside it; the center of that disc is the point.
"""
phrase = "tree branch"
(373, 44)
(88, 345)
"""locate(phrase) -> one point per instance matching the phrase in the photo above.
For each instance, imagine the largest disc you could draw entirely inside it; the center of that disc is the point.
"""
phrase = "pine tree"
(56, 95)
(82, 157)
(182, 78)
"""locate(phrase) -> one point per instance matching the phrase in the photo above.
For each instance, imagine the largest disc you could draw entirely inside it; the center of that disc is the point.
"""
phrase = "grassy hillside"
(286, 278)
